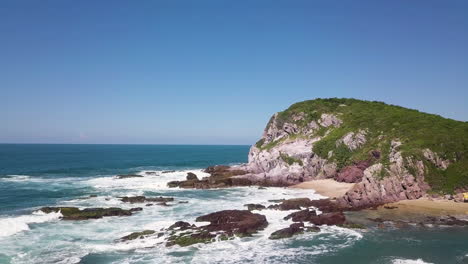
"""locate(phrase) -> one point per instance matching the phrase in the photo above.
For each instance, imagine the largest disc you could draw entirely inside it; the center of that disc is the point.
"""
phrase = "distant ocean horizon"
(83, 175)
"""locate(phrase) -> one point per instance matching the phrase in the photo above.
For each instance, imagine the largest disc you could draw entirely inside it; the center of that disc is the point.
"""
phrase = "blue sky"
(213, 72)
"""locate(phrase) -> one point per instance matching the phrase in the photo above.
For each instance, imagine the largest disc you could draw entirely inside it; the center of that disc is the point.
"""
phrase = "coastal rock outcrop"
(222, 224)
(390, 152)
(292, 230)
(220, 177)
(74, 213)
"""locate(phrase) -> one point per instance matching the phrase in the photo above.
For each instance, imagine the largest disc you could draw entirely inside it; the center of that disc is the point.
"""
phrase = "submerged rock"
(252, 207)
(180, 225)
(74, 213)
(173, 184)
(293, 229)
(301, 216)
(290, 231)
(335, 218)
(143, 199)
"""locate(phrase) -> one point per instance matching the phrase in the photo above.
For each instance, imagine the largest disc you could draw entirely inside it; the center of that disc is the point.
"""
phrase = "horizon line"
(155, 144)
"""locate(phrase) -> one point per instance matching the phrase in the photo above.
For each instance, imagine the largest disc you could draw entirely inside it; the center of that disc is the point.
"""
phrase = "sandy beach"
(402, 210)
(327, 187)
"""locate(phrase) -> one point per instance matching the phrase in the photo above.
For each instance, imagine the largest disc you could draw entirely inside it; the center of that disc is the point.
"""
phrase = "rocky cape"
(391, 153)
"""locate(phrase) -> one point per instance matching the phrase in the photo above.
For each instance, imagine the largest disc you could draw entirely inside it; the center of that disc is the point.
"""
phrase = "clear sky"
(213, 72)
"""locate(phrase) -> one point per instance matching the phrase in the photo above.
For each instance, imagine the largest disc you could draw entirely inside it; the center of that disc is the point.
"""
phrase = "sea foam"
(409, 261)
(12, 225)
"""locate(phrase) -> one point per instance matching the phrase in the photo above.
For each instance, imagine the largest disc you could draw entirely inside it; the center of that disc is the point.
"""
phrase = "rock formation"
(391, 153)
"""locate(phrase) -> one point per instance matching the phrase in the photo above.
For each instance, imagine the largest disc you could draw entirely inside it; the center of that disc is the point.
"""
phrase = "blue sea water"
(36, 175)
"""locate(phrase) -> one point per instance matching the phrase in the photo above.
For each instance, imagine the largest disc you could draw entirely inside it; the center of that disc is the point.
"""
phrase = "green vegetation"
(136, 235)
(290, 160)
(189, 239)
(384, 123)
(259, 143)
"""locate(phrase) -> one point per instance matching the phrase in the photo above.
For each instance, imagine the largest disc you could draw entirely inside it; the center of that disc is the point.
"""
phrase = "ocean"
(36, 175)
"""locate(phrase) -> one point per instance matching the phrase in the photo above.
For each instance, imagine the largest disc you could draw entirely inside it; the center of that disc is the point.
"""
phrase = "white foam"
(147, 182)
(409, 261)
(79, 238)
(13, 225)
(16, 178)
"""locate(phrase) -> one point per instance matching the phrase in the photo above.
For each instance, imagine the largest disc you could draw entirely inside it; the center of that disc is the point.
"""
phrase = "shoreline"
(326, 187)
(417, 210)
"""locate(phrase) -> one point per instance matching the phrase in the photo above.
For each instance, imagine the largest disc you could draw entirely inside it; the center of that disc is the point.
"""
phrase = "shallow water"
(32, 176)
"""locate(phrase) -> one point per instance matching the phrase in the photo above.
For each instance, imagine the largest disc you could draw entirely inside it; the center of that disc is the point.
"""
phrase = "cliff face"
(391, 153)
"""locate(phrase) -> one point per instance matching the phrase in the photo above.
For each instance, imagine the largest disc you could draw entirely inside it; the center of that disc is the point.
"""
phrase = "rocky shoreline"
(303, 214)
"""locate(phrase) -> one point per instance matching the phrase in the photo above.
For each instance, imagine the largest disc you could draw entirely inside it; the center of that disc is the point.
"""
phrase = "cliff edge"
(391, 153)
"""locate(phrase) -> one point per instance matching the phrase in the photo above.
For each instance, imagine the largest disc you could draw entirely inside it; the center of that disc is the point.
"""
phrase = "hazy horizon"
(213, 72)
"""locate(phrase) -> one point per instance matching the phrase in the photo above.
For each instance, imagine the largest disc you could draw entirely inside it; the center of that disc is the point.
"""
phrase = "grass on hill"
(383, 123)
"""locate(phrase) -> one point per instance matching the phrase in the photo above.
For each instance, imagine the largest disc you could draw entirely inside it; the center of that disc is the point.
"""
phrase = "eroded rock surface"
(74, 213)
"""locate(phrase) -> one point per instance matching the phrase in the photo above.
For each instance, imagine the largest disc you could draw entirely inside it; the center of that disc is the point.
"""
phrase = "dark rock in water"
(221, 177)
(188, 184)
(136, 209)
(92, 195)
(326, 205)
(150, 204)
(291, 204)
(428, 221)
(151, 173)
(312, 229)
(173, 184)
(191, 176)
(129, 176)
(136, 235)
(301, 216)
(446, 220)
(216, 170)
(168, 171)
(142, 199)
(183, 202)
(223, 223)
(288, 231)
(252, 207)
(238, 222)
(276, 201)
(335, 218)
(73, 213)
(190, 239)
(163, 204)
(295, 204)
(293, 229)
(180, 225)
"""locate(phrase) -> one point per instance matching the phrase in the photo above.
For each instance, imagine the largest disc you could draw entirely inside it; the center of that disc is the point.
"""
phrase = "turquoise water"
(32, 176)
